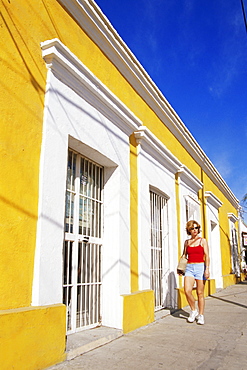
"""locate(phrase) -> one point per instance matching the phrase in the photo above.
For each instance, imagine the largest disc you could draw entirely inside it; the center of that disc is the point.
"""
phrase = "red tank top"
(195, 254)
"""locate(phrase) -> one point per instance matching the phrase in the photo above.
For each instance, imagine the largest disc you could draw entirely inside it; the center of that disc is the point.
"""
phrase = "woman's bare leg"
(200, 294)
(188, 286)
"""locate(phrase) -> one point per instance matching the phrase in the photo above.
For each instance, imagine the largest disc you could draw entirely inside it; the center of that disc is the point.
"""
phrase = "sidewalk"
(172, 343)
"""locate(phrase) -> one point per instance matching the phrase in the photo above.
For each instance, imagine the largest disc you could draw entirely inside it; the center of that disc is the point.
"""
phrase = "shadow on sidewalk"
(179, 314)
(231, 302)
(227, 301)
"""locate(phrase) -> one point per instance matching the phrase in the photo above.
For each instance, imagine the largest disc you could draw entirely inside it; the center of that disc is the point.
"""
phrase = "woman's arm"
(180, 273)
(206, 257)
(185, 248)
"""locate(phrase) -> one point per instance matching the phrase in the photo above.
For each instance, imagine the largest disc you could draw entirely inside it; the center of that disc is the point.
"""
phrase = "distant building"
(243, 245)
(98, 178)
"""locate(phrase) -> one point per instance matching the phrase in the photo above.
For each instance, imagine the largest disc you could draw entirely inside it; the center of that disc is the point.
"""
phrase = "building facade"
(99, 177)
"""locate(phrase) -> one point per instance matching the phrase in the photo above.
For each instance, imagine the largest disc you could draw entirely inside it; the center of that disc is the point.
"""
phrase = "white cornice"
(212, 199)
(156, 149)
(192, 199)
(189, 178)
(71, 71)
(232, 217)
(96, 25)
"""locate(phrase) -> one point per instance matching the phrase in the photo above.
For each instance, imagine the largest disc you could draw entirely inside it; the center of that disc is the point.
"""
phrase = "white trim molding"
(189, 178)
(232, 217)
(71, 71)
(212, 199)
(156, 149)
(192, 199)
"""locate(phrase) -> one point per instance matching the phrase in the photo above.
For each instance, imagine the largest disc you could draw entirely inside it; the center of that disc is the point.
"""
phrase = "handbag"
(182, 265)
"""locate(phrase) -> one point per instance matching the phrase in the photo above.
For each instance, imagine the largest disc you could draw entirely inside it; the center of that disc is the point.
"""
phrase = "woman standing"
(197, 270)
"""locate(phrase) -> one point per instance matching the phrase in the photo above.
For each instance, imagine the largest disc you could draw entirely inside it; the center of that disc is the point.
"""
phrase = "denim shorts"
(196, 270)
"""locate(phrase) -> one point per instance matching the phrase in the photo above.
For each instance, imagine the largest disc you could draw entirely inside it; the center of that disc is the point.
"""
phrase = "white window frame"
(109, 121)
(213, 205)
(157, 167)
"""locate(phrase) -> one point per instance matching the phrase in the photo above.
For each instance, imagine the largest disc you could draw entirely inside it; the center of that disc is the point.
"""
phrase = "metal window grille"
(157, 206)
(82, 245)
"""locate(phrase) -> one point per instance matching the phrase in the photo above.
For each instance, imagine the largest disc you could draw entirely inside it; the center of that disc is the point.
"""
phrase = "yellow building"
(98, 178)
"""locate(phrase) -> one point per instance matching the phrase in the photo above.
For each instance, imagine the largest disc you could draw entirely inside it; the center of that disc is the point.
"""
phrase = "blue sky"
(196, 53)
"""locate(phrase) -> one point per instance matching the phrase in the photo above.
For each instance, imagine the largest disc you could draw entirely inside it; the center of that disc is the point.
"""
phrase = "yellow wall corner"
(32, 337)
(229, 279)
(138, 310)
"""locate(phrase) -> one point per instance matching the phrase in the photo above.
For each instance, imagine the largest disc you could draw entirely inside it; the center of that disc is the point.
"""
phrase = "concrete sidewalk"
(172, 343)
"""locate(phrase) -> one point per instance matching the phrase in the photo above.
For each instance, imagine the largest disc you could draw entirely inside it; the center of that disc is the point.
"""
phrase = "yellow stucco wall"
(138, 310)
(134, 275)
(32, 338)
(22, 93)
(229, 279)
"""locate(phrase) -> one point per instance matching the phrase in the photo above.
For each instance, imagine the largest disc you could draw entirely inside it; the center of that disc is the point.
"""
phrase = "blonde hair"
(190, 225)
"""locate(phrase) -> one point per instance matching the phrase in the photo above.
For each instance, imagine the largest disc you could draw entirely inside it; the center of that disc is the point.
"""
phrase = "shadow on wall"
(170, 300)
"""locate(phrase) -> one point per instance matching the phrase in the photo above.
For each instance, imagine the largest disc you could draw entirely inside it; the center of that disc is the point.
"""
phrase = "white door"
(83, 243)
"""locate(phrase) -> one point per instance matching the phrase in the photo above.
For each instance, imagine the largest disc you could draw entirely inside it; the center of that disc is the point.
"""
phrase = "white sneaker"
(200, 320)
(192, 316)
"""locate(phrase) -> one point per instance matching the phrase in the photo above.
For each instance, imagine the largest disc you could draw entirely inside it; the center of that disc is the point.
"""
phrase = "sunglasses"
(194, 228)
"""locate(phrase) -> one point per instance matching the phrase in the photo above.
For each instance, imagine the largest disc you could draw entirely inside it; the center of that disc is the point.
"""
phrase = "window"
(235, 257)
(192, 209)
(82, 245)
(159, 222)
